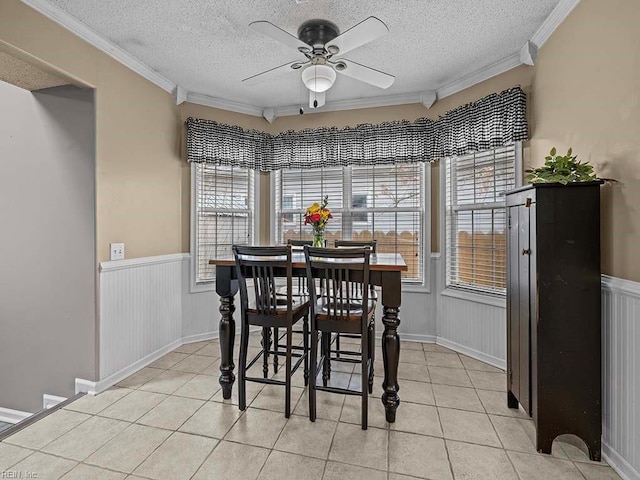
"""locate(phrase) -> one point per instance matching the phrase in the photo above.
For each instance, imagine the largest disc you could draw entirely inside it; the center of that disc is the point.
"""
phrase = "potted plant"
(562, 169)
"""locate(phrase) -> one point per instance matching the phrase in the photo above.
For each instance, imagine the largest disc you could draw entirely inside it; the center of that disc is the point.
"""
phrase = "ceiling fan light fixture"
(318, 78)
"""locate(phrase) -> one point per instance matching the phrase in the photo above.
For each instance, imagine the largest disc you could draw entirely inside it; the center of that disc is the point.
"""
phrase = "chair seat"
(295, 291)
(354, 309)
(297, 305)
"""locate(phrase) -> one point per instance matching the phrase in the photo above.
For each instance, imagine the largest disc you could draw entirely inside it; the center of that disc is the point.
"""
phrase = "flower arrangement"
(317, 215)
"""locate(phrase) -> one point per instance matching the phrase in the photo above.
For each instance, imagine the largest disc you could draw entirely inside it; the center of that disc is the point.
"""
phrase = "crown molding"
(224, 104)
(354, 104)
(529, 53)
(553, 21)
(79, 29)
(479, 76)
(59, 16)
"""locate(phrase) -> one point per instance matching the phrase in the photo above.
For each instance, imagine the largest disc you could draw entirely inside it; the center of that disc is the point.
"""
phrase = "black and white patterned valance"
(493, 121)
(212, 142)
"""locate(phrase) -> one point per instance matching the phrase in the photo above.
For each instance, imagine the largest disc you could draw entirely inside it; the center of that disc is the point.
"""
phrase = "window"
(381, 202)
(359, 201)
(223, 213)
(475, 219)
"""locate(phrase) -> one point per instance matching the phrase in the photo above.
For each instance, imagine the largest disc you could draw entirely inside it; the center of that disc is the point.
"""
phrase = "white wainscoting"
(474, 328)
(147, 310)
(140, 309)
(621, 375)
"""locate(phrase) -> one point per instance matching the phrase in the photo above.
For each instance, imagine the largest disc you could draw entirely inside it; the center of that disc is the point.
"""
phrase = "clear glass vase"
(318, 238)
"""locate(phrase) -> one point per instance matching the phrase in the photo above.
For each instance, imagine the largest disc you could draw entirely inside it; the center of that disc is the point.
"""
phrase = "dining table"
(385, 271)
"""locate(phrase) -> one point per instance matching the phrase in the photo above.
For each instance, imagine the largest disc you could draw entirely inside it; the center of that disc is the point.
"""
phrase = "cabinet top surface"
(554, 185)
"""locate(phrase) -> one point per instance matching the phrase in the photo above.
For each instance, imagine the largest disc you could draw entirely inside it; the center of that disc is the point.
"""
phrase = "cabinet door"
(513, 304)
(524, 306)
(518, 333)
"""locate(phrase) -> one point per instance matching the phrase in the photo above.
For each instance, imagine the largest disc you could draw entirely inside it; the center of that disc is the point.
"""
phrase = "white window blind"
(476, 219)
(223, 213)
(381, 202)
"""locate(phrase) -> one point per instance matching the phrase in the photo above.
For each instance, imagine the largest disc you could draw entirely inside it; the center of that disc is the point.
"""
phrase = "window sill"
(415, 288)
(202, 287)
(461, 294)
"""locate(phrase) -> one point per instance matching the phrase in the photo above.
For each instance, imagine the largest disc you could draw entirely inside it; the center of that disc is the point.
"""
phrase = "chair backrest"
(260, 266)
(357, 243)
(340, 273)
(299, 243)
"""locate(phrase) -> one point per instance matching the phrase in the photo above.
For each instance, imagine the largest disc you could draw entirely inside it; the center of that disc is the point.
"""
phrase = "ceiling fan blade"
(318, 97)
(364, 74)
(271, 30)
(272, 73)
(364, 32)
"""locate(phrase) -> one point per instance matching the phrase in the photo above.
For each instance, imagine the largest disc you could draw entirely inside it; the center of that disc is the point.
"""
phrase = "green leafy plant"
(561, 169)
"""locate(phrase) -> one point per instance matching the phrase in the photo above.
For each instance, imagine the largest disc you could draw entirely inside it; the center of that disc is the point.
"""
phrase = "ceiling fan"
(323, 45)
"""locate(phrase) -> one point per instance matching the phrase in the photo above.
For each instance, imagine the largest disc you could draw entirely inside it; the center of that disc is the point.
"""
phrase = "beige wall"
(582, 93)
(138, 163)
(586, 95)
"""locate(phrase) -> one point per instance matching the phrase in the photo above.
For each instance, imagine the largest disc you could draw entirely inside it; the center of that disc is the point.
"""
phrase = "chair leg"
(266, 345)
(242, 367)
(287, 367)
(338, 345)
(372, 350)
(276, 339)
(365, 373)
(305, 343)
(313, 374)
(324, 354)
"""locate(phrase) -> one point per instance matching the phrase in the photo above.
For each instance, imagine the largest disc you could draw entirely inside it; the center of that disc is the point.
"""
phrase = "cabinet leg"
(512, 401)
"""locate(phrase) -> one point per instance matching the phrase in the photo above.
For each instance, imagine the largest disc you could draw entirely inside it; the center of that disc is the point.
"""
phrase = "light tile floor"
(169, 422)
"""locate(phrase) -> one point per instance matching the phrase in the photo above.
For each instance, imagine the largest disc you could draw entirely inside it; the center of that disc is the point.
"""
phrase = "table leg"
(227, 330)
(390, 358)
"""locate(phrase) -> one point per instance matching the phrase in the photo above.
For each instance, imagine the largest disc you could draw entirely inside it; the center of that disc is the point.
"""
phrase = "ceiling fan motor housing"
(317, 32)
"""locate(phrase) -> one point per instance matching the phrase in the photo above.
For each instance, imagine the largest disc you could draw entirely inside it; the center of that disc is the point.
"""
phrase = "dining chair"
(372, 244)
(259, 267)
(298, 289)
(333, 275)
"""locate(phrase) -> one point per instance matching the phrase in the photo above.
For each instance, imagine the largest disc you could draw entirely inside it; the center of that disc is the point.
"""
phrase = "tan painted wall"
(586, 94)
(138, 163)
(583, 93)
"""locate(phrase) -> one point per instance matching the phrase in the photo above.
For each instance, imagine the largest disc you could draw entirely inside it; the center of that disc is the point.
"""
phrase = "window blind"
(224, 213)
(476, 219)
(381, 202)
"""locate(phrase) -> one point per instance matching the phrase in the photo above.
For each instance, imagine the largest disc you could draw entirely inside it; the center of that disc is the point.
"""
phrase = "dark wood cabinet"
(553, 310)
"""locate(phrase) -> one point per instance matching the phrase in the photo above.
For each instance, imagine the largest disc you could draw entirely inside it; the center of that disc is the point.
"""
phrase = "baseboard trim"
(93, 388)
(200, 337)
(412, 337)
(7, 415)
(49, 401)
(470, 352)
(619, 464)
(34, 417)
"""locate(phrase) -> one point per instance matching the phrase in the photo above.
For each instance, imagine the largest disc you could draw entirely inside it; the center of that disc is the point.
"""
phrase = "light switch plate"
(117, 251)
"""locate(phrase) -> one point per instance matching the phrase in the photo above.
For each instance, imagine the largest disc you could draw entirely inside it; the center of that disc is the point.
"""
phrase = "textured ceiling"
(24, 75)
(206, 46)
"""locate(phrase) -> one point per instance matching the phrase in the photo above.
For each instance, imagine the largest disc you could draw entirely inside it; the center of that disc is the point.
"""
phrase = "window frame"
(454, 291)
(413, 286)
(208, 286)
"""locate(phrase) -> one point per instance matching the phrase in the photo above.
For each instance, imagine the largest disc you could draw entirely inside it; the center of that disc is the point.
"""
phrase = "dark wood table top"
(391, 262)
